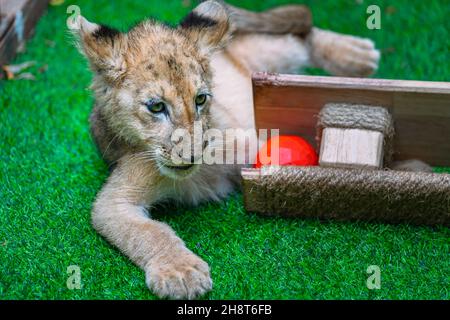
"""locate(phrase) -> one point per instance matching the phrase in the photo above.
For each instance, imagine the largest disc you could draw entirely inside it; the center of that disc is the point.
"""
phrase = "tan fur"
(175, 64)
(287, 19)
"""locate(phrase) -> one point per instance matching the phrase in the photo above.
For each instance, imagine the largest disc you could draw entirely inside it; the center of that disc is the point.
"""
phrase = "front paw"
(178, 274)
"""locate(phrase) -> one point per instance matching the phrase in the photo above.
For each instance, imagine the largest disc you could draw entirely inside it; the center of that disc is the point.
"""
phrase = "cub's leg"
(336, 53)
(119, 214)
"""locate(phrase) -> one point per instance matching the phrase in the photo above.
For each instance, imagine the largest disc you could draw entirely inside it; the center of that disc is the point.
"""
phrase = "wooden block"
(351, 148)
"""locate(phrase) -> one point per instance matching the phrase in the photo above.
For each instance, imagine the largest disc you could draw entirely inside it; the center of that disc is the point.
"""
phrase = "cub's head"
(153, 80)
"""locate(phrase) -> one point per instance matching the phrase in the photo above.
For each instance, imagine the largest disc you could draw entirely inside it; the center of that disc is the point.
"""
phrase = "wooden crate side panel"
(422, 117)
(29, 12)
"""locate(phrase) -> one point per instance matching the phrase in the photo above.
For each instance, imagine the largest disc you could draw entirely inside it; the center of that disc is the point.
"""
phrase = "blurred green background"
(50, 172)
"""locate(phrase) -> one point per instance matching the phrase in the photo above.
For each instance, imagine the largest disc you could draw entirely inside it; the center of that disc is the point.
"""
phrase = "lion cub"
(154, 79)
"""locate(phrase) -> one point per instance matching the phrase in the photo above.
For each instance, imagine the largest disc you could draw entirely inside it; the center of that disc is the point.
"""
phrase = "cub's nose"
(190, 159)
(194, 156)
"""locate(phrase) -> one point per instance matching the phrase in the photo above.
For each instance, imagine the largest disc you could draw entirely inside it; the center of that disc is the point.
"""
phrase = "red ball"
(292, 151)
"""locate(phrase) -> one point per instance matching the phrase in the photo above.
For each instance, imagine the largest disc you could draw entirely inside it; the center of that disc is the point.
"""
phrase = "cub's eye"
(200, 100)
(155, 107)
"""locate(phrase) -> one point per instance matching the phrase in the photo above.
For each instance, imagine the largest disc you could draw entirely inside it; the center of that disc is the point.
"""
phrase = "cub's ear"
(207, 25)
(104, 48)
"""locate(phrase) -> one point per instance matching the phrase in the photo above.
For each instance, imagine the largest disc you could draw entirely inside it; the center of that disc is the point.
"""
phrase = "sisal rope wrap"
(343, 194)
(356, 116)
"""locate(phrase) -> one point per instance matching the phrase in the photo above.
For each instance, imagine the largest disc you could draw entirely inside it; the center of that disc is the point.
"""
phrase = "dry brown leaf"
(16, 68)
(186, 3)
(56, 2)
(50, 43)
(43, 69)
(390, 10)
(12, 71)
(388, 50)
(25, 76)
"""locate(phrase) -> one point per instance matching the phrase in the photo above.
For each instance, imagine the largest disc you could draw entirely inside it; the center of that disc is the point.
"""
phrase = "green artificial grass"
(50, 173)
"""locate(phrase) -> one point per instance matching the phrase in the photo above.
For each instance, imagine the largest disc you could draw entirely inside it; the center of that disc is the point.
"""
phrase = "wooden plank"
(421, 109)
(11, 6)
(8, 45)
(21, 17)
(351, 83)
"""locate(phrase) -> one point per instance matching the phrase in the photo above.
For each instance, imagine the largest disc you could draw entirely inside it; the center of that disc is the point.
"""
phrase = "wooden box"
(421, 109)
(17, 21)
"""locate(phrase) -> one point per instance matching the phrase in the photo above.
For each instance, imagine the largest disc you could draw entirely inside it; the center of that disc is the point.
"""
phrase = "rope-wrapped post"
(343, 194)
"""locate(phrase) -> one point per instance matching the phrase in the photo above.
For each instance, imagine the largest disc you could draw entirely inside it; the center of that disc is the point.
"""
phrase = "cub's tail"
(294, 19)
